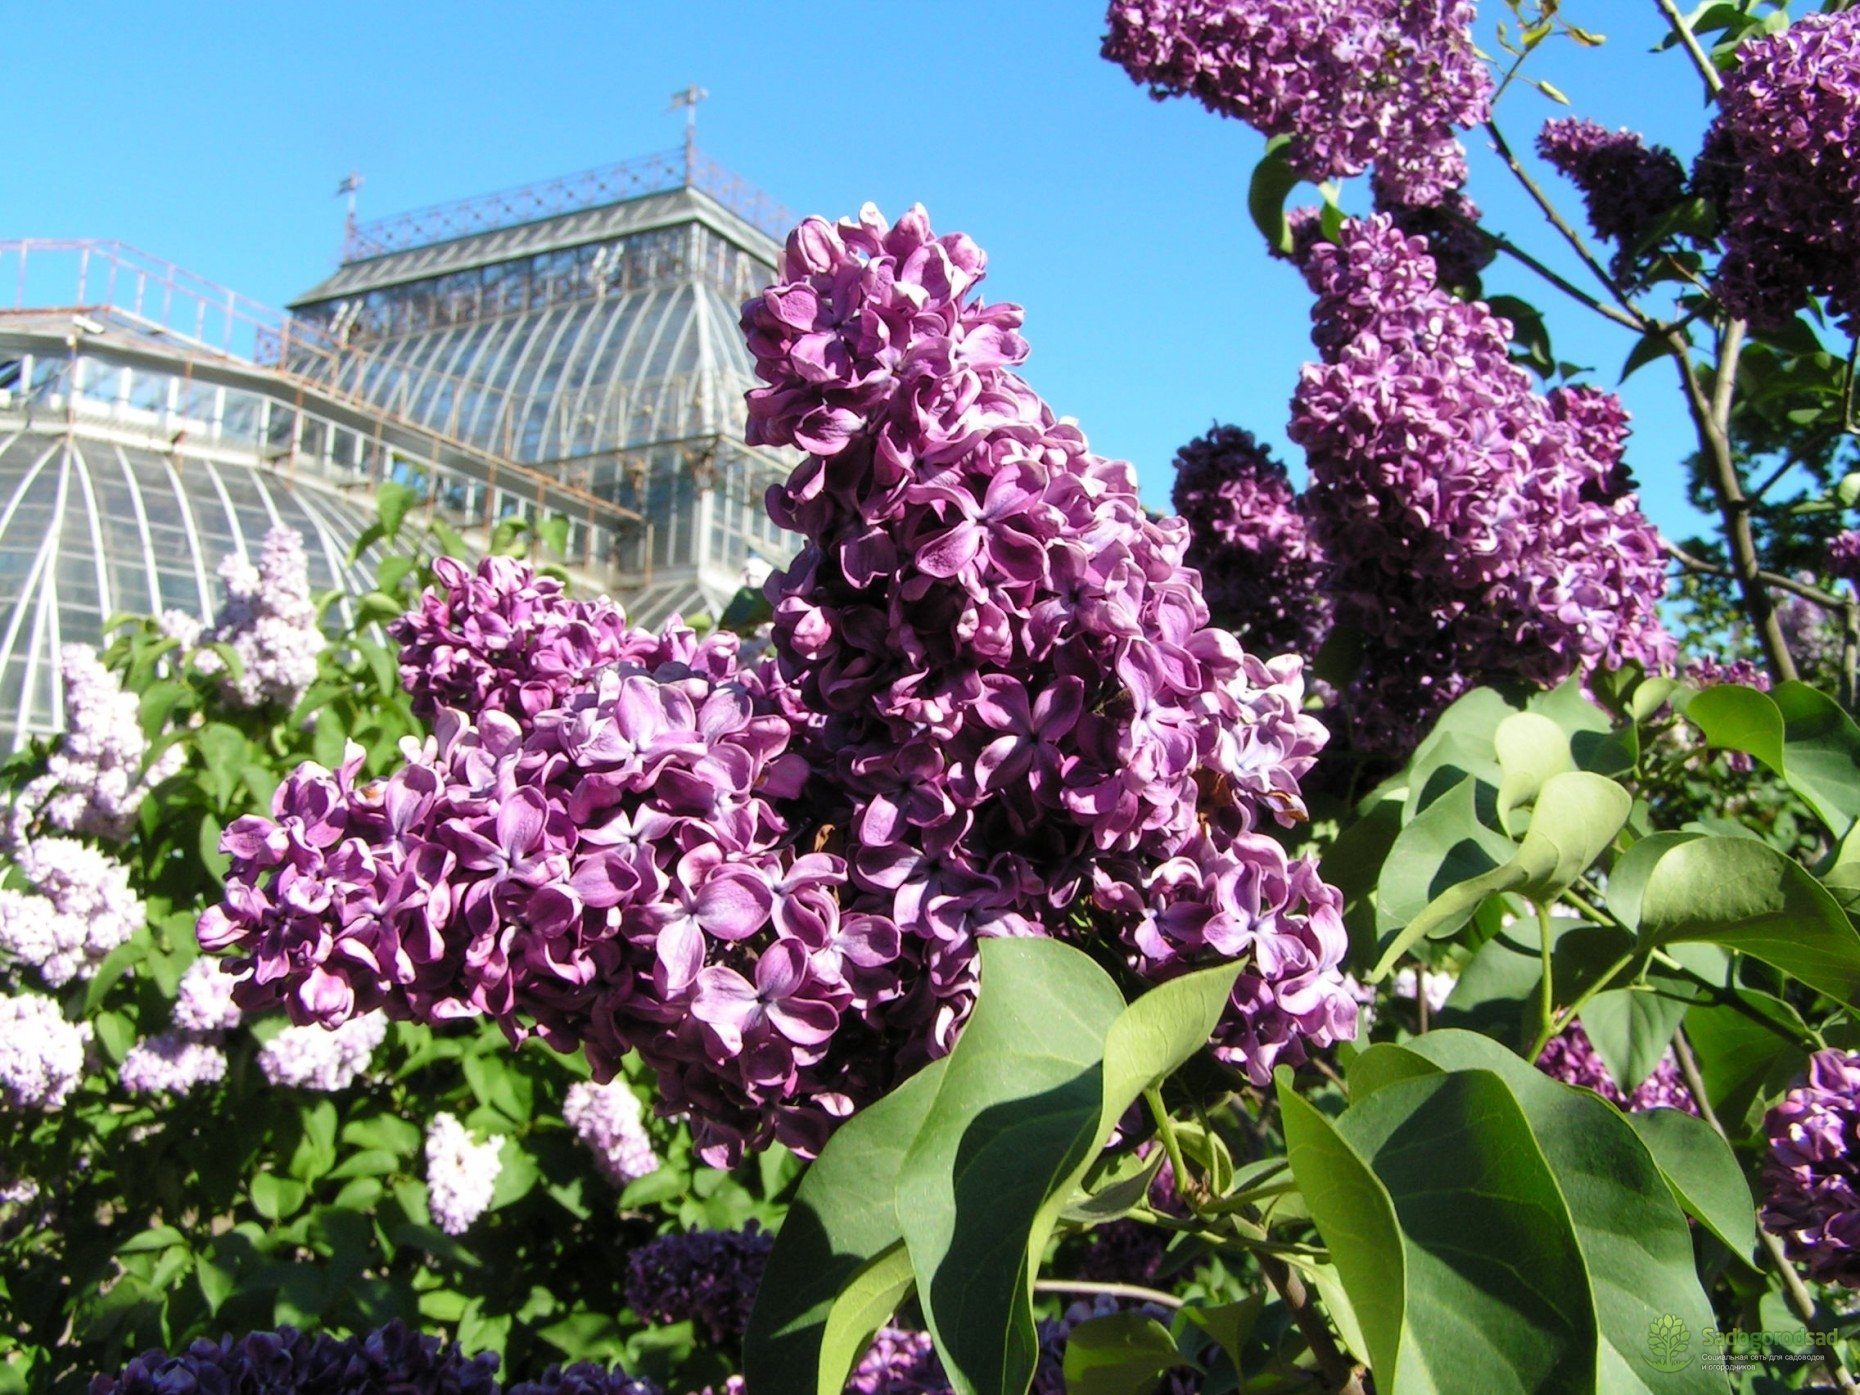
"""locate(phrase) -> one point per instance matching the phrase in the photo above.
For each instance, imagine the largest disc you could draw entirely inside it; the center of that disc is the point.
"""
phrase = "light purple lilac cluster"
(41, 1054)
(461, 1173)
(1031, 727)
(188, 1054)
(1627, 186)
(610, 1122)
(900, 1362)
(270, 622)
(80, 908)
(1572, 1058)
(1353, 83)
(705, 1277)
(503, 638)
(1782, 163)
(94, 781)
(1249, 540)
(323, 1059)
(994, 708)
(1813, 1170)
(1475, 530)
(1454, 240)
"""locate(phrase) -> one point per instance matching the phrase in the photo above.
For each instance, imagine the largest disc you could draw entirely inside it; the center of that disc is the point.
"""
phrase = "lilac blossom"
(609, 1120)
(324, 1059)
(1249, 541)
(705, 1277)
(1351, 82)
(94, 780)
(81, 907)
(585, 1378)
(270, 622)
(203, 1001)
(171, 1064)
(1572, 1058)
(1812, 1174)
(41, 1054)
(1451, 230)
(392, 1360)
(460, 1174)
(993, 706)
(899, 1362)
(1627, 185)
(1844, 556)
(1475, 530)
(1782, 164)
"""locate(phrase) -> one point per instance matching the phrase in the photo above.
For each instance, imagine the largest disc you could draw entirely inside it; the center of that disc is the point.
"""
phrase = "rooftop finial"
(688, 99)
(349, 187)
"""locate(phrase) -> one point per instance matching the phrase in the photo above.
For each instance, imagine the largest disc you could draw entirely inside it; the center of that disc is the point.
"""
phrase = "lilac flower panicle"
(41, 1054)
(324, 1059)
(81, 907)
(269, 619)
(1351, 82)
(1572, 1058)
(1474, 529)
(1248, 539)
(585, 1378)
(609, 1120)
(460, 1173)
(1812, 1173)
(171, 1064)
(392, 1360)
(94, 780)
(705, 1277)
(1782, 163)
(992, 706)
(900, 1362)
(203, 1002)
(1844, 556)
(1627, 185)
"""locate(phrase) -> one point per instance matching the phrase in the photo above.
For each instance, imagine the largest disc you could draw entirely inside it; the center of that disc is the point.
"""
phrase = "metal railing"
(648, 174)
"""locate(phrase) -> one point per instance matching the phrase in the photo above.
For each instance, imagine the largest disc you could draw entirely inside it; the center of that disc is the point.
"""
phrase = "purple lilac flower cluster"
(1352, 82)
(585, 1378)
(900, 1363)
(609, 1120)
(1031, 727)
(1572, 1058)
(1813, 1170)
(705, 1277)
(1844, 556)
(1627, 185)
(324, 1059)
(1782, 163)
(270, 621)
(1248, 539)
(460, 1173)
(505, 639)
(94, 781)
(1451, 230)
(81, 907)
(188, 1054)
(41, 1054)
(392, 1360)
(1474, 529)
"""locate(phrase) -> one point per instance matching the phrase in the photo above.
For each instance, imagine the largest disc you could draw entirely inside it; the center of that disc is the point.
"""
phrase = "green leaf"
(552, 533)
(1015, 1120)
(1635, 1255)
(1652, 346)
(392, 500)
(841, 1234)
(1703, 1173)
(1531, 748)
(275, 1197)
(1742, 1061)
(1798, 732)
(1119, 1354)
(1272, 183)
(1631, 1030)
(1744, 895)
(1446, 846)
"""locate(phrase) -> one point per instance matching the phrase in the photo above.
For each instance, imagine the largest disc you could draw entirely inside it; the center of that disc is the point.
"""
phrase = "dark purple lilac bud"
(392, 1360)
(1627, 185)
(706, 1277)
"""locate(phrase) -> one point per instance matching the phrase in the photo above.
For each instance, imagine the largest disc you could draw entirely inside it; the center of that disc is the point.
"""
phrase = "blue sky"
(214, 135)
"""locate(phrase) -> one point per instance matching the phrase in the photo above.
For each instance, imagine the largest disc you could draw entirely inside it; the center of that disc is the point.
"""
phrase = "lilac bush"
(1249, 540)
(1782, 163)
(269, 620)
(80, 907)
(1811, 1173)
(1353, 83)
(1475, 529)
(94, 781)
